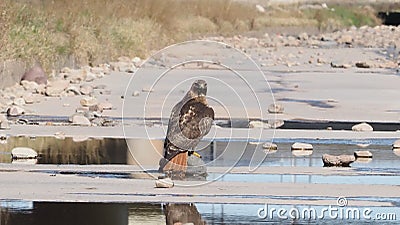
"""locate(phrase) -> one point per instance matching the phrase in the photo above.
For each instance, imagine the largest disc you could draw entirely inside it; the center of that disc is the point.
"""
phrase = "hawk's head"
(199, 88)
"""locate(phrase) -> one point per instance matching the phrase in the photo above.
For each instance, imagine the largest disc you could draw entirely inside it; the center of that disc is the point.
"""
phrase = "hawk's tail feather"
(177, 163)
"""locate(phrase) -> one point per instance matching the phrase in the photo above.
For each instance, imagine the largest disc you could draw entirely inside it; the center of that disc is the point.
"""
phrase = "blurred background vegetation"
(52, 32)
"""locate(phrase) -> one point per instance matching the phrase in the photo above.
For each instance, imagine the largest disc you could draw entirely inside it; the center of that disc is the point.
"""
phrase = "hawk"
(191, 119)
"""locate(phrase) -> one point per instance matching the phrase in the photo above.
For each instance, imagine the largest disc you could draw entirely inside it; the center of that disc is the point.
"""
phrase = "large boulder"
(35, 74)
(338, 161)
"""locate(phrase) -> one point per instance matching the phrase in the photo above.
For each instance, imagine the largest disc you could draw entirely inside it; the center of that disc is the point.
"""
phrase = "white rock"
(74, 90)
(29, 99)
(4, 125)
(105, 106)
(136, 93)
(275, 108)
(80, 120)
(88, 101)
(15, 111)
(23, 153)
(270, 146)
(275, 123)
(363, 154)
(86, 89)
(396, 144)
(301, 146)
(259, 124)
(137, 61)
(29, 85)
(362, 127)
(164, 183)
(56, 88)
(260, 8)
(19, 102)
(147, 89)
(59, 135)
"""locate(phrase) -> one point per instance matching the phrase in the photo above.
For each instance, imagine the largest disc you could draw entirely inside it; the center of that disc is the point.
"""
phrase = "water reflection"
(218, 153)
(35, 213)
(171, 214)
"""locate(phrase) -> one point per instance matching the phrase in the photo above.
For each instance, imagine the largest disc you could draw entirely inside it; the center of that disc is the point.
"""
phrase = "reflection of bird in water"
(191, 119)
(182, 214)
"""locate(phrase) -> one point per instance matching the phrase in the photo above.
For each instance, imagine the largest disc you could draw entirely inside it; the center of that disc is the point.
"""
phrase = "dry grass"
(94, 31)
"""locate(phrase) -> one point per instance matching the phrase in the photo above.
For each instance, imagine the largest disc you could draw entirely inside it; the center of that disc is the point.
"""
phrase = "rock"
(275, 108)
(41, 89)
(259, 124)
(3, 139)
(15, 111)
(363, 65)
(100, 87)
(339, 161)
(196, 166)
(274, 124)
(147, 89)
(137, 61)
(362, 127)
(260, 8)
(105, 106)
(301, 146)
(76, 76)
(72, 89)
(91, 76)
(19, 101)
(59, 135)
(56, 88)
(88, 101)
(164, 183)
(363, 154)
(303, 36)
(86, 89)
(29, 99)
(345, 39)
(396, 144)
(340, 65)
(105, 92)
(35, 74)
(301, 149)
(23, 153)
(80, 120)
(4, 125)
(136, 93)
(269, 146)
(29, 85)
(127, 67)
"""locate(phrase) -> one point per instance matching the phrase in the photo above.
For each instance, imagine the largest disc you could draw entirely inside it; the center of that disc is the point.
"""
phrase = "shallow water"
(32, 213)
